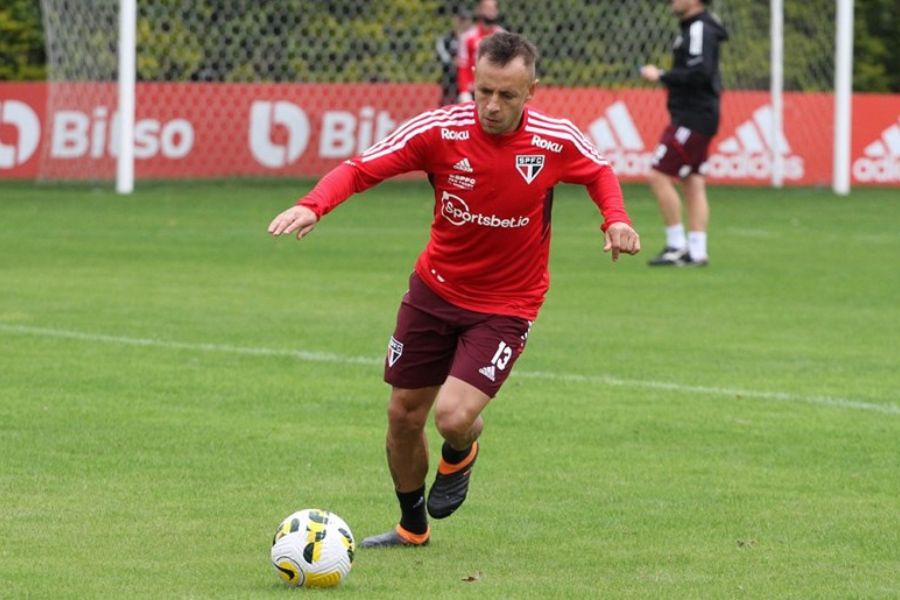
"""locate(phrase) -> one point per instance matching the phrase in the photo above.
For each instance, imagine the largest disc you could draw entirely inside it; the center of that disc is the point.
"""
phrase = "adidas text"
(752, 166)
(881, 170)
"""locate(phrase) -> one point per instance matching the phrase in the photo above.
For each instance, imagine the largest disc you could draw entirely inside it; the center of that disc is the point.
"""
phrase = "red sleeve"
(402, 151)
(336, 186)
(606, 193)
(586, 167)
(464, 78)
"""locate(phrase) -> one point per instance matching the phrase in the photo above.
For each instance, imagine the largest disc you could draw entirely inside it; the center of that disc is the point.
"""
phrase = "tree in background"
(252, 42)
(876, 46)
(22, 55)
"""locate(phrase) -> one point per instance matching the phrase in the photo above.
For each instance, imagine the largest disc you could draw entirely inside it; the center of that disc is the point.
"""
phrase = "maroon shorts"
(681, 152)
(434, 339)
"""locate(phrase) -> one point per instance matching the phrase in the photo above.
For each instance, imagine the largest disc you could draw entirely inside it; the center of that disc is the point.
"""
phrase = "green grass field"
(173, 382)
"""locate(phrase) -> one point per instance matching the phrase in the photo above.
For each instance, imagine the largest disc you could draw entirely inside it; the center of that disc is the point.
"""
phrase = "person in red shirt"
(447, 50)
(480, 282)
(487, 16)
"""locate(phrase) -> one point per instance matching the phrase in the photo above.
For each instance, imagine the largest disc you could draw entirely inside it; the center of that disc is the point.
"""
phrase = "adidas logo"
(463, 166)
(489, 371)
(881, 162)
(616, 137)
(747, 153)
(616, 131)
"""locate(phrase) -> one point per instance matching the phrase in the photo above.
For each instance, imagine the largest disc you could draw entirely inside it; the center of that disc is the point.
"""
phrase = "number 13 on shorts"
(502, 356)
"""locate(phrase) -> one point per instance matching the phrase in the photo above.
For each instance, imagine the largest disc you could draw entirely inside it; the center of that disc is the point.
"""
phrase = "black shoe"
(397, 537)
(451, 486)
(669, 257)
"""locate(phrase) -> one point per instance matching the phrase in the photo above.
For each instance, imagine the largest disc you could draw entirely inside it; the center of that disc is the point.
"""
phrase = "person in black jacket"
(694, 87)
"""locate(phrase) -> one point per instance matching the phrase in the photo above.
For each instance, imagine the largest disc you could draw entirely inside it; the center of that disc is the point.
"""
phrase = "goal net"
(291, 88)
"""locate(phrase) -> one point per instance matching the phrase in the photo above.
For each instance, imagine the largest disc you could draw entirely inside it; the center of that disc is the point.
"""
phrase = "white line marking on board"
(328, 357)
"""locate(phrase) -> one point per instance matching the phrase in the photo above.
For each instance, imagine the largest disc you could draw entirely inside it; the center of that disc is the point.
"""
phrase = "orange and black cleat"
(451, 485)
(397, 537)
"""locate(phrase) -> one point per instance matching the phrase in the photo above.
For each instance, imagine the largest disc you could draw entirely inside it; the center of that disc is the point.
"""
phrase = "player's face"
(682, 7)
(488, 10)
(501, 94)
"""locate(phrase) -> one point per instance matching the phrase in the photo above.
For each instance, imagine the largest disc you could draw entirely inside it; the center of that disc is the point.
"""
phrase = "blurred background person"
(447, 49)
(694, 87)
(487, 19)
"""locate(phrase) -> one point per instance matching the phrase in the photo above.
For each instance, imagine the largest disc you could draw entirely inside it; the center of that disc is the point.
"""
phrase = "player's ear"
(531, 88)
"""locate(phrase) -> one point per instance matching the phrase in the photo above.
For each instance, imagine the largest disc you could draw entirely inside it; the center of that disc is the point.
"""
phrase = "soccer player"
(478, 285)
(487, 15)
(694, 87)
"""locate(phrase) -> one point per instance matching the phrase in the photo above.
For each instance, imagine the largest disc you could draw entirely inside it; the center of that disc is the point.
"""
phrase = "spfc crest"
(395, 350)
(529, 165)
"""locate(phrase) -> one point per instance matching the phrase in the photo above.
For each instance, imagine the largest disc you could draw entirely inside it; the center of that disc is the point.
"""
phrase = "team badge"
(529, 165)
(395, 350)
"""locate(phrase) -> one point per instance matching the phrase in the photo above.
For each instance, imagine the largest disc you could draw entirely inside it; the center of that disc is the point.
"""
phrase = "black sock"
(412, 511)
(453, 456)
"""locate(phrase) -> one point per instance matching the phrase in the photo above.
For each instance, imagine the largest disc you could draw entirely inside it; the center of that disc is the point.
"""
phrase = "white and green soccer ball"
(313, 548)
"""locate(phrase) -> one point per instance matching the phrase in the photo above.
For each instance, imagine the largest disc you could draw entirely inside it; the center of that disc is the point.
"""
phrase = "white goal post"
(126, 94)
(843, 96)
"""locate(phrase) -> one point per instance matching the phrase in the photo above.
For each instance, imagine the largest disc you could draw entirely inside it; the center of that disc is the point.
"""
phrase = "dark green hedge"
(392, 40)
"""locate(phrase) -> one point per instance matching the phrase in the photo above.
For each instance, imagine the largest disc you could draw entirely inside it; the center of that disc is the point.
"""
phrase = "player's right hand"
(296, 218)
(651, 72)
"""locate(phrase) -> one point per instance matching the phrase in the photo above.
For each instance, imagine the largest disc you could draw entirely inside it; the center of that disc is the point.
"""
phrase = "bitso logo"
(264, 117)
(24, 120)
(881, 160)
(95, 135)
(455, 210)
(617, 138)
(748, 153)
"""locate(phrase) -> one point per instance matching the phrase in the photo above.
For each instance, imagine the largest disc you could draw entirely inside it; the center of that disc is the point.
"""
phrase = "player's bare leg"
(669, 203)
(697, 203)
(666, 197)
(457, 415)
(407, 456)
(698, 218)
(457, 412)
(407, 449)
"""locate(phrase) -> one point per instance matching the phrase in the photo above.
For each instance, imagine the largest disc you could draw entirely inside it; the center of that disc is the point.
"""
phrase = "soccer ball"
(313, 548)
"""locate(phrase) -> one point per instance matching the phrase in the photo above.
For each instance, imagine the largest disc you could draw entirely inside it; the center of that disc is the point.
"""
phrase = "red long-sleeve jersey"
(490, 238)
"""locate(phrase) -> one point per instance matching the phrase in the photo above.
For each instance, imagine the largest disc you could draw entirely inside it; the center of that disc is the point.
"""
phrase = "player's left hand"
(621, 237)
